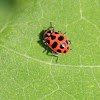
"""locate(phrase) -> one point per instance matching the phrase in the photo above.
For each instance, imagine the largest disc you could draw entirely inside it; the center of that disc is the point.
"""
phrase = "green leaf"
(26, 73)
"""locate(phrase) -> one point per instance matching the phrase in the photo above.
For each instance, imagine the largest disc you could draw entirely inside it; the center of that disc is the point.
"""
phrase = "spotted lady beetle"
(56, 41)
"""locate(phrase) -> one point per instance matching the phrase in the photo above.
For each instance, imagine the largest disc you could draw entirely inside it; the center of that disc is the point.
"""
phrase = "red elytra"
(56, 41)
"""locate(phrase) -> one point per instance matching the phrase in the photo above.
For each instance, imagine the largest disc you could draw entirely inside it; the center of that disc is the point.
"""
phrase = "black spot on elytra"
(49, 32)
(68, 48)
(56, 33)
(53, 37)
(54, 45)
(63, 45)
(48, 41)
(66, 41)
(59, 51)
(60, 38)
(46, 35)
(65, 51)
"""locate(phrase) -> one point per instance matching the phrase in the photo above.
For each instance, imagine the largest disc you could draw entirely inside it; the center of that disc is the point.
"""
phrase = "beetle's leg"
(55, 56)
(59, 31)
(44, 41)
(65, 33)
(45, 49)
(53, 29)
(69, 41)
(52, 26)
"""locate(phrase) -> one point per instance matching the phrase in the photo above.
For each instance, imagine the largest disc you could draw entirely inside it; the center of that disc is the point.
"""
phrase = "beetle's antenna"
(51, 26)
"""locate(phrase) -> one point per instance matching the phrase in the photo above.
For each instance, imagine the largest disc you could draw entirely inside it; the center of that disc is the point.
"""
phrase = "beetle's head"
(47, 34)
